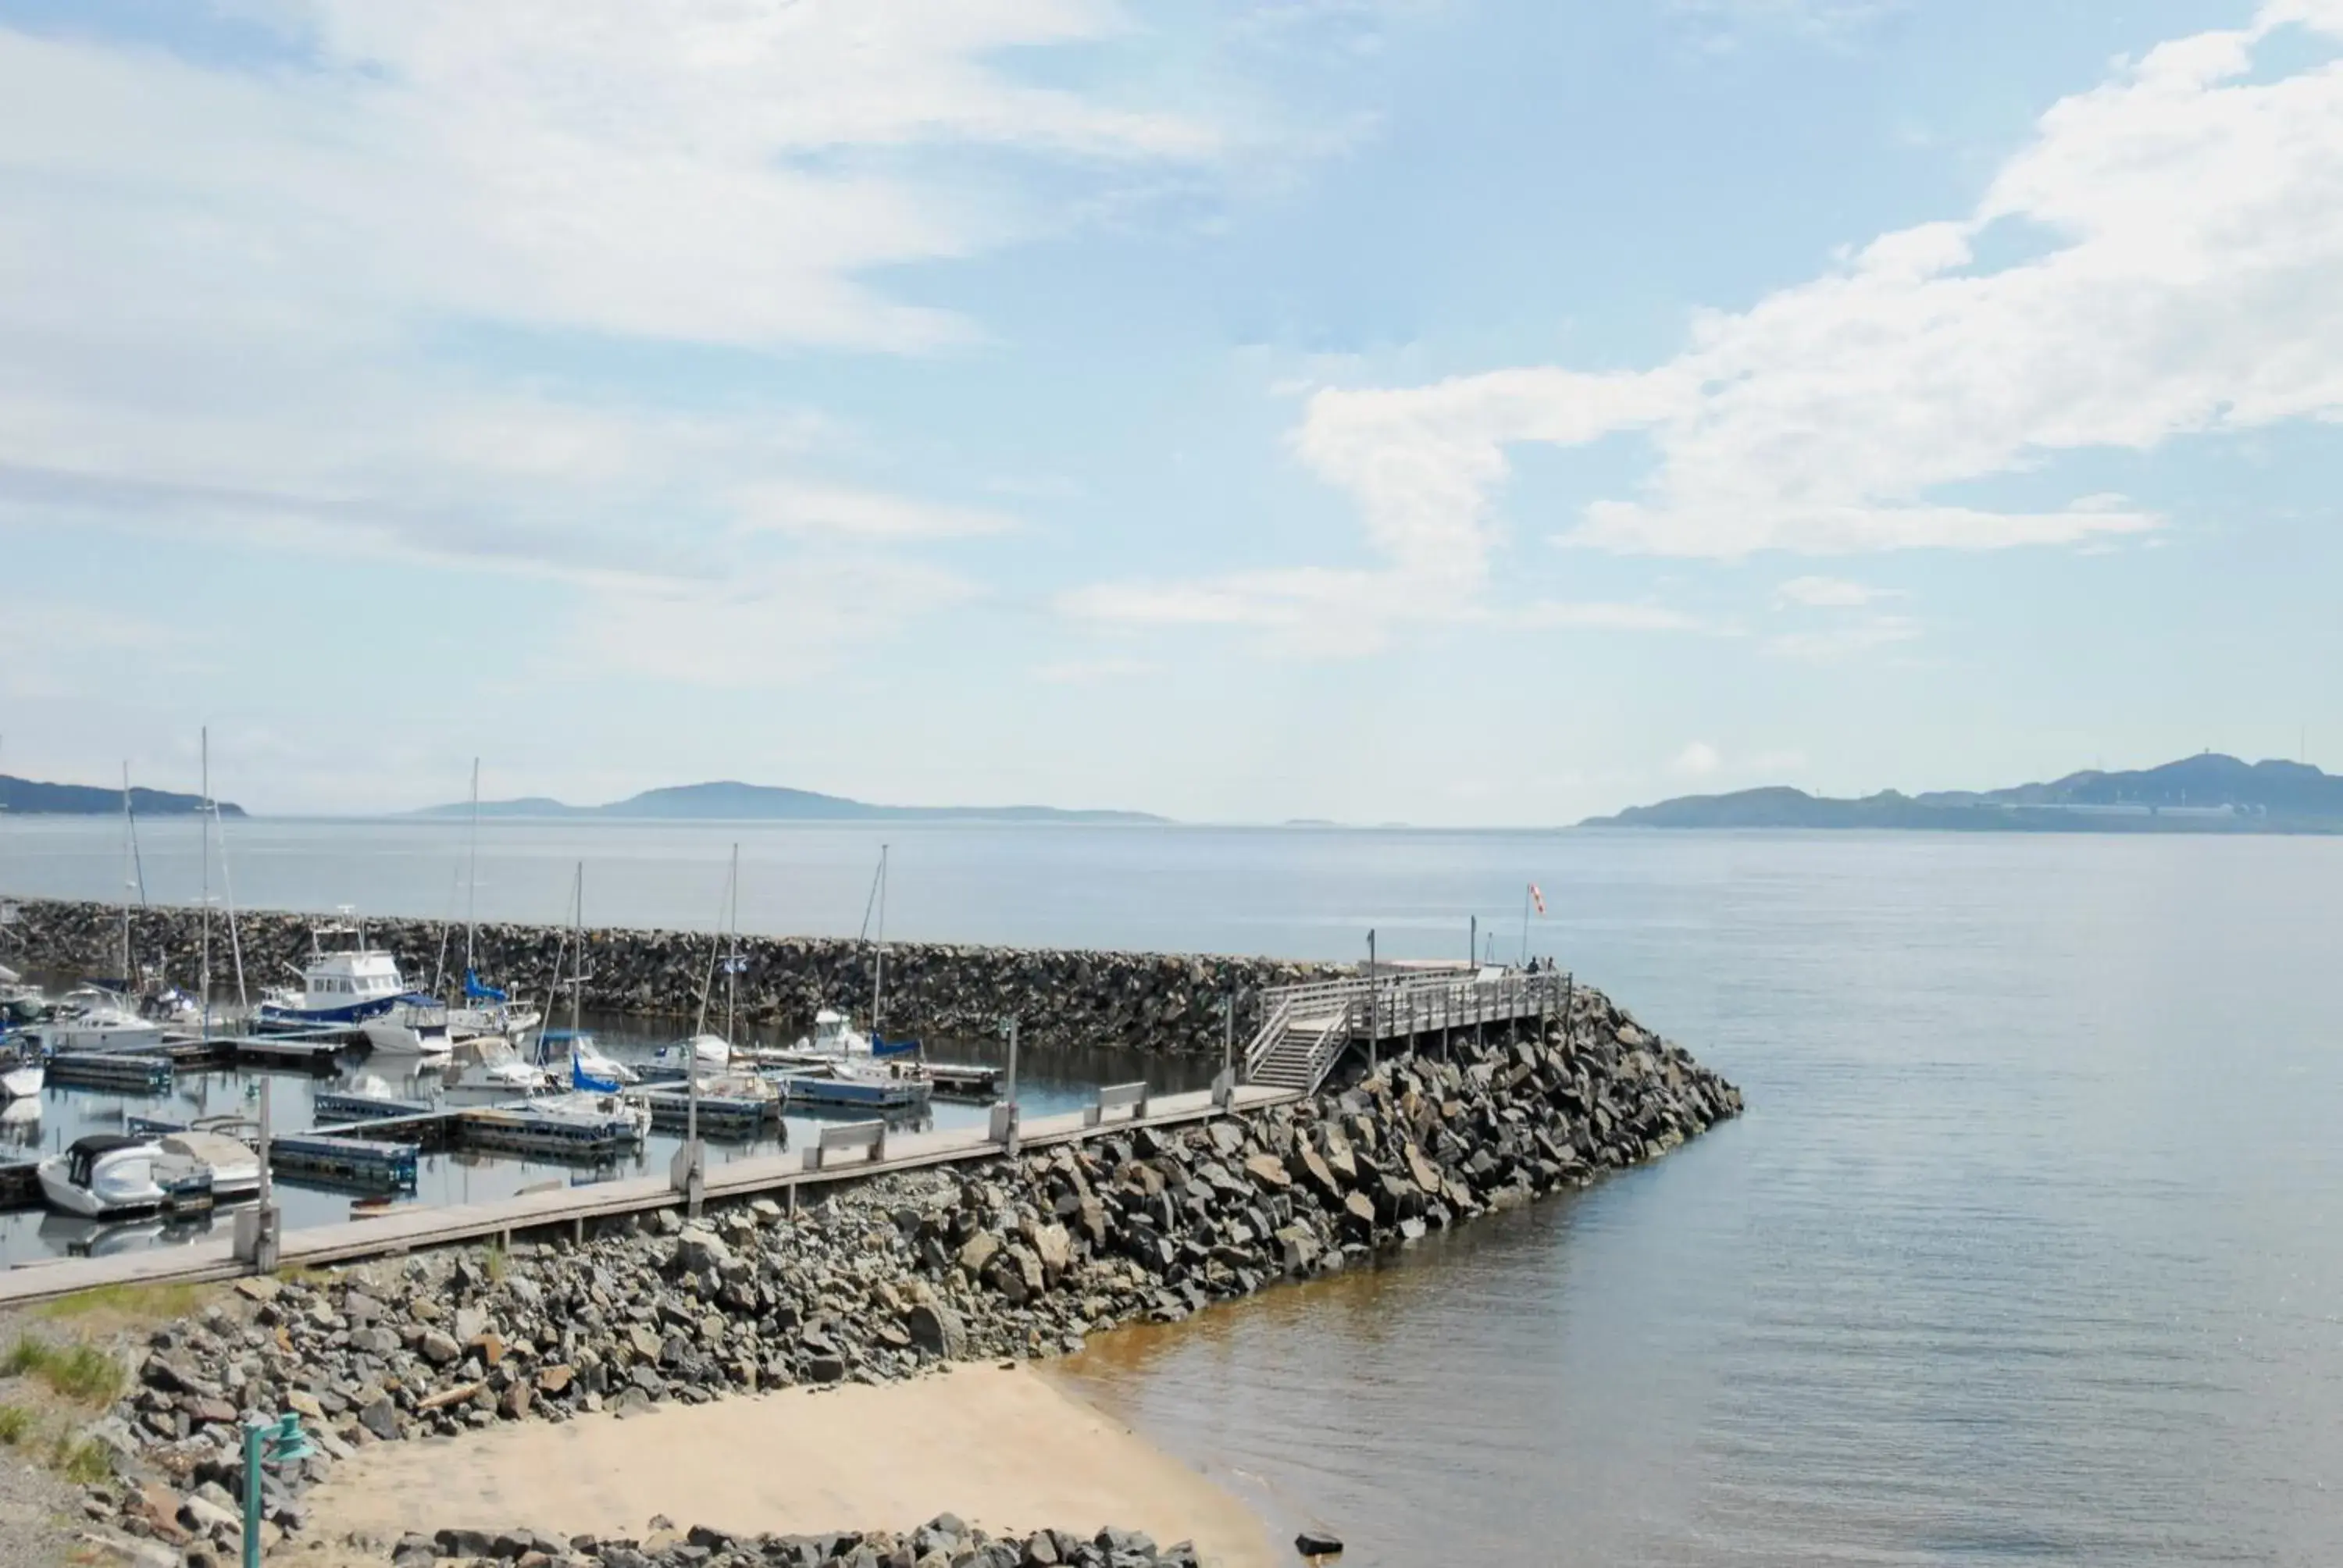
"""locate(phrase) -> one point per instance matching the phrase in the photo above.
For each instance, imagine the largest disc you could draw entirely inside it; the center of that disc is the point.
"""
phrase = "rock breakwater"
(943, 1542)
(1012, 1257)
(1159, 1002)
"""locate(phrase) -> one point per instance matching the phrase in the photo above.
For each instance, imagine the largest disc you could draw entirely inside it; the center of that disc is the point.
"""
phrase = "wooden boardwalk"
(420, 1227)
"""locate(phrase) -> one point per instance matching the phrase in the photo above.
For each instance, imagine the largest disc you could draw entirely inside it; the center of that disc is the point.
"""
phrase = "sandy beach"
(1001, 1447)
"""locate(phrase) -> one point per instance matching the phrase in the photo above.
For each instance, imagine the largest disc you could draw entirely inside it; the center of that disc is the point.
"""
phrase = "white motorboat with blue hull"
(341, 987)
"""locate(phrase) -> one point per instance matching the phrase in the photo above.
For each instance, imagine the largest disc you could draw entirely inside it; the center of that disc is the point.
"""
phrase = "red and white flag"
(1537, 897)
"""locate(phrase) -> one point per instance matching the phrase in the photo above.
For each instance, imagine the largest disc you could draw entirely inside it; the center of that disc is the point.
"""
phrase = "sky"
(1452, 411)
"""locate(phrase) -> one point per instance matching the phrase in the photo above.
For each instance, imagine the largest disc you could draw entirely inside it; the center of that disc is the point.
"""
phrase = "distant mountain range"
(2209, 793)
(733, 802)
(31, 798)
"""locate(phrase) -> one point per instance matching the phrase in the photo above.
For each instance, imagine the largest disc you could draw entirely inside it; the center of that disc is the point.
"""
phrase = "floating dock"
(328, 1160)
(720, 1115)
(965, 1080)
(330, 1106)
(813, 1091)
(118, 1071)
(563, 1136)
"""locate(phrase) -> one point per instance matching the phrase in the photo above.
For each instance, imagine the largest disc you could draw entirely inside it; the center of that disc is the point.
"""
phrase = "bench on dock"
(1111, 1095)
(868, 1135)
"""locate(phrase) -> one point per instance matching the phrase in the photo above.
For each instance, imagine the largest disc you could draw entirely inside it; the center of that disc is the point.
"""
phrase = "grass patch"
(138, 1301)
(496, 1265)
(83, 1463)
(81, 1373)
(16, 1423)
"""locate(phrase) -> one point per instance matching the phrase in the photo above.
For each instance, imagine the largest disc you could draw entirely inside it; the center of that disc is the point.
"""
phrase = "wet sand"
(1002, 1448)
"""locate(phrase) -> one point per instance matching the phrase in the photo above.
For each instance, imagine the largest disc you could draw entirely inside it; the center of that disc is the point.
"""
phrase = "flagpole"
(1525, 925)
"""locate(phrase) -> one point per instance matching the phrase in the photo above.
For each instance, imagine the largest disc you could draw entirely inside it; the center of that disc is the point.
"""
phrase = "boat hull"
(128, 1192)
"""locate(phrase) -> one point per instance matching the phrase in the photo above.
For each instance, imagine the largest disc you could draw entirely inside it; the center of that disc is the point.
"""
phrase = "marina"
(356, 1137)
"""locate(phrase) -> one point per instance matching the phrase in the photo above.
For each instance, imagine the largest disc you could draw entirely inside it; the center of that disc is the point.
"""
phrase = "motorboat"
(699, 1051)
(91, 1017)
(411, 1028)
(20, 1123)
(21, 1075)
(116, 1174)
(859, 1083)
(345, 983)
(227, 1165)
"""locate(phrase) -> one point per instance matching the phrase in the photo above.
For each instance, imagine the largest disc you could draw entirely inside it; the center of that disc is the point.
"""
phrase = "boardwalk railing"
(1306, 1029)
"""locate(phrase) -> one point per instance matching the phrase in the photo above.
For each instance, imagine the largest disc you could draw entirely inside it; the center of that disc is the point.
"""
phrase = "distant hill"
(2209, 793)
(30, 797)
(729, 801)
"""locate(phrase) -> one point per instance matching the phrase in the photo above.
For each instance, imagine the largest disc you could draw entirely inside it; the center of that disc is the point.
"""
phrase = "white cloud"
(1827, 593)
(1697, 760)
(286, 301)
(1833, 21)
(2191, 284)
(1845, 639)
(1095, 671)
(791, 506)
(1595, 615)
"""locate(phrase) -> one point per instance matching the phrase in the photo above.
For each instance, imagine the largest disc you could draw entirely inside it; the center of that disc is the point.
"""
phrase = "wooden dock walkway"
(422, 1227)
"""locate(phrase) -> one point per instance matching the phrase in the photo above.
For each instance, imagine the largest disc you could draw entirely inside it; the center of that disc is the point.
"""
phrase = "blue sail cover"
(474, 990)
(893, 1047)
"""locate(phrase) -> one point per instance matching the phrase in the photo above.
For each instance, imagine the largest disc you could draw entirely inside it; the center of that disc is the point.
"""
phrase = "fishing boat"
(344, 983)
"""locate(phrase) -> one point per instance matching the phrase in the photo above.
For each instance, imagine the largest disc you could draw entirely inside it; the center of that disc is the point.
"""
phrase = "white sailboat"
(834, 1038)
(703, 1049)
(486, 1009)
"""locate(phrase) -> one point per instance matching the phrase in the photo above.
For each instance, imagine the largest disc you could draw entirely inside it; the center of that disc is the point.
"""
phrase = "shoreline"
(722, 1323)
(1005, 1447)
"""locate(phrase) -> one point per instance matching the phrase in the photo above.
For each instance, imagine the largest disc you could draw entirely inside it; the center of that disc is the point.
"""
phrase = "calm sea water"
(2027, 1250)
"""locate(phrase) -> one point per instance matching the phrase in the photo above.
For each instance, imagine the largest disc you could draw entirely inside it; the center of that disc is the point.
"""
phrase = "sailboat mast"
(879, 966)
(127, 981)
(577, 996)
(732, 955)
(472, 875)
(204, 962)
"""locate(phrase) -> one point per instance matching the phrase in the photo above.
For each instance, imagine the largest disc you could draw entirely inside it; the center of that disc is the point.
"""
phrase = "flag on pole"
(1537, 897)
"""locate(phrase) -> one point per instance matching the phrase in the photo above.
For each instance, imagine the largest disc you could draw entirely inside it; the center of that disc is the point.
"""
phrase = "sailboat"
(487, 1009)
(703, 1049)
(834, 1037)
